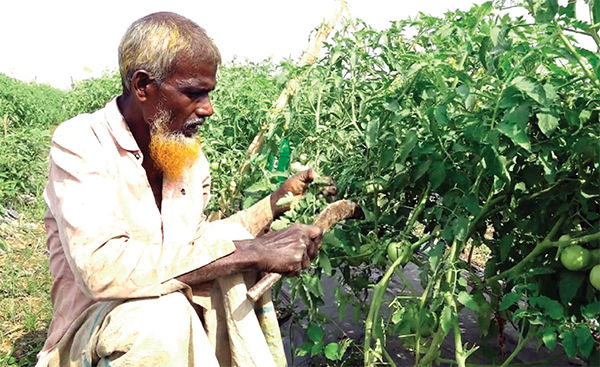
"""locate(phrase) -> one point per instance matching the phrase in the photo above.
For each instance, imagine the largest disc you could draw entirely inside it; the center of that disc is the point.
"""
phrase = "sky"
(52, 41)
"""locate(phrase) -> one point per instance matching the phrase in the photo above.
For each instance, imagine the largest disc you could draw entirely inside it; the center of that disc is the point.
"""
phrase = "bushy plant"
(92, 94)
(29, 104)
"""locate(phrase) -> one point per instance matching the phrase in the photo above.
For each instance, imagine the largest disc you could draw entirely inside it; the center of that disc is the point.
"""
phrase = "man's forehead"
(195, 74)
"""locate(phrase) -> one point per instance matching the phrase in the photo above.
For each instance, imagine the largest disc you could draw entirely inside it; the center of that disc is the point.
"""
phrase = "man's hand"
(297, 186)
(287, 251)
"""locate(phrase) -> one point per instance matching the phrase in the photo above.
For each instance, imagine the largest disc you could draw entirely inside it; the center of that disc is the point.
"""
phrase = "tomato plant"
(481, 130)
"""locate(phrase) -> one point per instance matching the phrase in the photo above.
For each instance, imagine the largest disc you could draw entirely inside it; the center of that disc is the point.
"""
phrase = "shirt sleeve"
(253, 219)
(107, 263)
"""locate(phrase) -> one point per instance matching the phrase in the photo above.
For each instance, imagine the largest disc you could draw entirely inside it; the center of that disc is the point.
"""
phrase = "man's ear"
(143, 85)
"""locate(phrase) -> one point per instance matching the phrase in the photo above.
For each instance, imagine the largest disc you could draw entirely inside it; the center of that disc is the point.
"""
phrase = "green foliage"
(23, 167)
(242, 100)
(92, 94)
(481, 121)
(29, 104)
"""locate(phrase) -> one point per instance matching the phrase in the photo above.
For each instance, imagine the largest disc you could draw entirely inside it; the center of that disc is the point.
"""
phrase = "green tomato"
(303, 158)
(296, 167)
(575, 257)
(214, 166)
(393, 251)
(595, 277)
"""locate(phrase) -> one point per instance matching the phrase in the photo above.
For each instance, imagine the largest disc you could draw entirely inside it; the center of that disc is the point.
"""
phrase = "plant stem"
(575, 54)
(417, 211)
(388, 357)
(434, 348)
(406, 283)
(421, 306)
(458, 349)
(539, 248)
(520, 346)
(378, 293)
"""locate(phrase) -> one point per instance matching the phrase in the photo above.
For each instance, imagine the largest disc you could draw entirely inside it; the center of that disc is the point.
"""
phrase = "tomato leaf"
(569, 284)
(447, 319)
(304, 349)
(495, 164)
(437, 174)
(441, 116)
(332, 352)
(509, 299)
(468, 300)
(315, 333)
(435, 254)
(372, 131)
(505, 246)
(569, 342)
(514, 126)
(550, 306)
(532, 88)
(459, 228)
(585, 342)
(325, 263)
(547, 123)
(591, 311)
(549, 338)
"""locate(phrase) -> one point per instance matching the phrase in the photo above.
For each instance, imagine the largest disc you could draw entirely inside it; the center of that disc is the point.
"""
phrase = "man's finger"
(307, 176)
(329, 190)
(305, 261)
(316, 237)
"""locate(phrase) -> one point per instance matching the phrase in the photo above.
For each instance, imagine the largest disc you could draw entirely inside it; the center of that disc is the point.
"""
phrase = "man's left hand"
(297, 186)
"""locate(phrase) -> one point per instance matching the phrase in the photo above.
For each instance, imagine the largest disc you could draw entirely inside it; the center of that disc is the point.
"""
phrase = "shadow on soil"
(26, 347)
(490, 352)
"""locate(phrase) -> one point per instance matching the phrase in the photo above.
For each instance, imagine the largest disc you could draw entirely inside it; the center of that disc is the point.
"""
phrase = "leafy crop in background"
(29, 104)
(92, 94)
(28, 114)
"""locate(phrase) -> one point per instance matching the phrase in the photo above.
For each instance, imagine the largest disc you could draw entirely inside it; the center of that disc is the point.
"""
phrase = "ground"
(25, 307)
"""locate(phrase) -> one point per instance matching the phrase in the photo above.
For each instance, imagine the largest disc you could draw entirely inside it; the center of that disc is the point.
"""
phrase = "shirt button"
(136, 155)
(182, 191)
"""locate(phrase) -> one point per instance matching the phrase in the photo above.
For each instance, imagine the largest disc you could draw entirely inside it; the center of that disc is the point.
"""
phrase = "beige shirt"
(106, 237)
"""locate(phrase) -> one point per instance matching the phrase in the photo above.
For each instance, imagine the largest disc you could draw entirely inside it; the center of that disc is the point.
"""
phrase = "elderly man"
(140, 278)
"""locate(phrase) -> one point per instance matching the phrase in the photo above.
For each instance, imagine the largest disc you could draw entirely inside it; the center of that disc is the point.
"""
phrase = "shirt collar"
(119, 128)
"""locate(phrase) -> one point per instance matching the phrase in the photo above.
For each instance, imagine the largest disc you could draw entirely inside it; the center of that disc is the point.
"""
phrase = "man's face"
(183, 104)
(185, 96)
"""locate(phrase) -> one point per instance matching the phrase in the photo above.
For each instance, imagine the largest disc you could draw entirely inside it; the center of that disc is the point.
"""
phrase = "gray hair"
(157, 41)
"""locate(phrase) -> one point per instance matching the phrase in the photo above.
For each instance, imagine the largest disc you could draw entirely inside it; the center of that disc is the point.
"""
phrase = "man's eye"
(195, 94)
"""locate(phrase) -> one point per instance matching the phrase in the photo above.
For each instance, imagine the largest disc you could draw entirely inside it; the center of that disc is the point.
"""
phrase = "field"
(473, 148)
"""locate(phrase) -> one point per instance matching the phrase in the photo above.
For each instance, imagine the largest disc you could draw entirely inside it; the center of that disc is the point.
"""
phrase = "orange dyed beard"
(171, 152)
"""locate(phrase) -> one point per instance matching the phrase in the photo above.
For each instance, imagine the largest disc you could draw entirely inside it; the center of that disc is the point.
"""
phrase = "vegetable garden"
(480, 133)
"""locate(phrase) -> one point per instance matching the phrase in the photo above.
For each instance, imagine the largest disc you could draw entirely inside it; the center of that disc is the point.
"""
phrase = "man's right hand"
(286, 252)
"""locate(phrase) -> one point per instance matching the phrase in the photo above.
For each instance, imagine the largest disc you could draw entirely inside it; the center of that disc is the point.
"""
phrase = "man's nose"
(204, 107)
